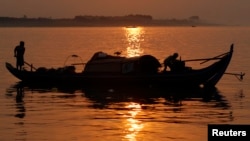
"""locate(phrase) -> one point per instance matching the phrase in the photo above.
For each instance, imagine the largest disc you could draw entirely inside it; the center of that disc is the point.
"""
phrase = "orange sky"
(227, 11)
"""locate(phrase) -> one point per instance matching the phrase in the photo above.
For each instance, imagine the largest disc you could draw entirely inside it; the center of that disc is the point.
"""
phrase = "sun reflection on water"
(134, 36)
(132, 125)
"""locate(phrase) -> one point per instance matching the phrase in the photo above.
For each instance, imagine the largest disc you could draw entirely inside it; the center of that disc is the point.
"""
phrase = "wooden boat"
(104, 69)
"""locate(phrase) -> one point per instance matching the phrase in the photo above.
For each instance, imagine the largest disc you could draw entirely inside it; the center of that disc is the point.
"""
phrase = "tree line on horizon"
(89, 20)
(91, 17)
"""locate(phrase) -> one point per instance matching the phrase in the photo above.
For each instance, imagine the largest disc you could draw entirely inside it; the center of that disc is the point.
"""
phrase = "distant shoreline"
(100, 21)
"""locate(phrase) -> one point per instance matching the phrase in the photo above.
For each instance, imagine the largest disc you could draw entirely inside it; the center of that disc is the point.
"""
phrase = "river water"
(126, 114)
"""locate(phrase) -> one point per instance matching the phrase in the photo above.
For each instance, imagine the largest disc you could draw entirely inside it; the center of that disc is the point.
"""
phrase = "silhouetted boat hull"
(119, 72)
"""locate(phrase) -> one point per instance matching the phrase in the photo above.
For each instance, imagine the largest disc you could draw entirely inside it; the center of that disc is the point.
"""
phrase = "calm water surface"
(129, 114)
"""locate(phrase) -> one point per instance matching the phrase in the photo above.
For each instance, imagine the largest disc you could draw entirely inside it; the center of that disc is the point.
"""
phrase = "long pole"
(202, 59)
(31, 66)
(238, 75)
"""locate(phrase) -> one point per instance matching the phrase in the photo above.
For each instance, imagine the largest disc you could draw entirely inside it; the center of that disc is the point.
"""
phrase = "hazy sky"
(227, 11)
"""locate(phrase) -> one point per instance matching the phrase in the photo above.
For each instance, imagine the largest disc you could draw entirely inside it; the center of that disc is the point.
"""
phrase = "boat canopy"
(104, 63)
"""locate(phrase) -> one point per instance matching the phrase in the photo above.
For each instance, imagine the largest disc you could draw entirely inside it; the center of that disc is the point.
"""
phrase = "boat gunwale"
(223, 63)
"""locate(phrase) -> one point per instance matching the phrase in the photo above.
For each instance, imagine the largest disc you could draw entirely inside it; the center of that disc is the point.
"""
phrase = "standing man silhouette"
(19, 54)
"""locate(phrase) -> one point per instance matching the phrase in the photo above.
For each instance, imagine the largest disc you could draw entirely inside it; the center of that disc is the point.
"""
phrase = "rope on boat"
(74, 56)
(213, 58)
(207, 59)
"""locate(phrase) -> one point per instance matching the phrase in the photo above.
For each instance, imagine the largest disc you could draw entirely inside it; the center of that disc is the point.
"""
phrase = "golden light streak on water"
(133, 125)
(134, 36)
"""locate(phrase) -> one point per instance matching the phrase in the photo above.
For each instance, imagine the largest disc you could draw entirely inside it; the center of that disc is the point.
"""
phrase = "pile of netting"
(61, 70)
